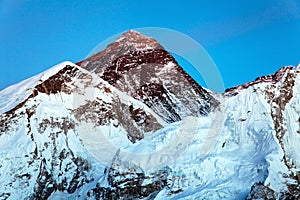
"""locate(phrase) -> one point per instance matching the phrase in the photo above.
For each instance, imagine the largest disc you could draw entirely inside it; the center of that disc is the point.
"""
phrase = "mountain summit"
(128, 41)
(142, 68)
(130, 123)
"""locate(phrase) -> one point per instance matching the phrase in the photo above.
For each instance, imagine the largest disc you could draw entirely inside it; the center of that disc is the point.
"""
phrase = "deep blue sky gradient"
(244, 38)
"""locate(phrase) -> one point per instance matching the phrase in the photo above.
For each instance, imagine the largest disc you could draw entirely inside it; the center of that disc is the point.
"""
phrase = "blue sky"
(244, 38)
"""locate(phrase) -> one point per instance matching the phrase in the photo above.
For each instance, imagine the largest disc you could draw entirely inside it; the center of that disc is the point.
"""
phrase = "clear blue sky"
(244, 38)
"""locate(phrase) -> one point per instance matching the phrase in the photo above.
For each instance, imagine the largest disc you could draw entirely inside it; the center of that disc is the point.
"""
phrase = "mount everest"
(130, 123)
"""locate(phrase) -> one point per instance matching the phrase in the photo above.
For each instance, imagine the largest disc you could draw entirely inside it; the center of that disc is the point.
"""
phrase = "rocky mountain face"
(142, 68)
(129, 123)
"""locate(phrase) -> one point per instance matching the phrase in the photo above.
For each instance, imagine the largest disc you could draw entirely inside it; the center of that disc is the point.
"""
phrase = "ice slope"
(205, 162)
(236, 160)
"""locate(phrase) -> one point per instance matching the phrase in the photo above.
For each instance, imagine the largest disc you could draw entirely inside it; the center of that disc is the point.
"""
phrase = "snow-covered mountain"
(129, 123)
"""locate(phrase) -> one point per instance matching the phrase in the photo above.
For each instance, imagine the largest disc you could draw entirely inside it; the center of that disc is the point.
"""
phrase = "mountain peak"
(139, 66)
(129, 41)
(16, 94)
(138, 40)
(272, 78)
